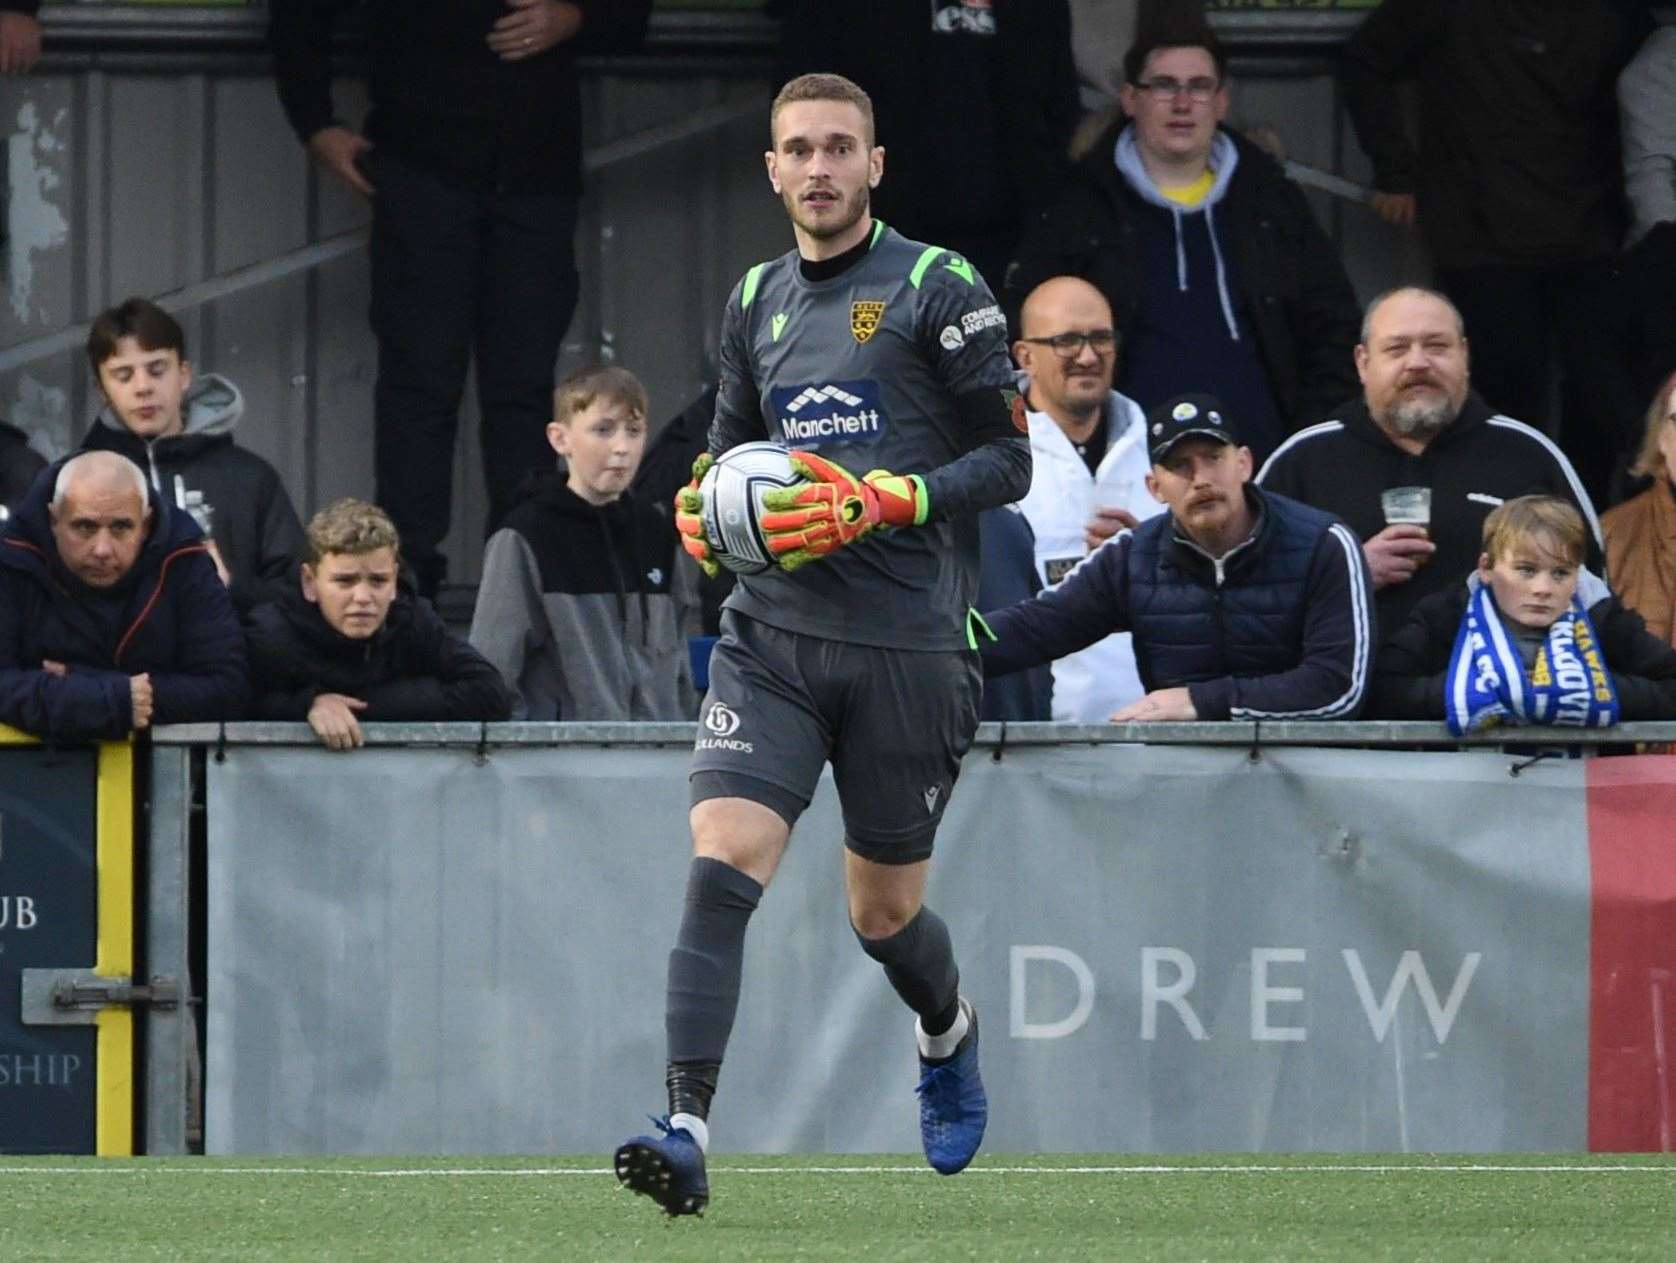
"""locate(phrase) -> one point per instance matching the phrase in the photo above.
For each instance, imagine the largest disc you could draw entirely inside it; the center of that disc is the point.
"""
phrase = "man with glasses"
(1089, 461)
(1218, 277)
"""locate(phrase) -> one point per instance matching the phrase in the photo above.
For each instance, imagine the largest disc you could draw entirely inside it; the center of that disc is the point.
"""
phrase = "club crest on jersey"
(829, 412)
(865, 315)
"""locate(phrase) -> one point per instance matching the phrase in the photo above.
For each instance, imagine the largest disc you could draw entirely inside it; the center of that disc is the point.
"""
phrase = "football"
(733, 488)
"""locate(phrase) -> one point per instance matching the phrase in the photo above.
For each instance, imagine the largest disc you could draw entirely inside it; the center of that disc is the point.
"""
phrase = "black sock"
(704, 970)
(919, 961)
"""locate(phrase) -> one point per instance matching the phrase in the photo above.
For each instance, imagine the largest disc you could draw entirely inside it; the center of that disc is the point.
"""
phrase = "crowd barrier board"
(67, 911)
(458, 945)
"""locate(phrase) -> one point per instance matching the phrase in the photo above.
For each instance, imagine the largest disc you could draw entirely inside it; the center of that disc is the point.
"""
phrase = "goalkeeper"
(883, 362)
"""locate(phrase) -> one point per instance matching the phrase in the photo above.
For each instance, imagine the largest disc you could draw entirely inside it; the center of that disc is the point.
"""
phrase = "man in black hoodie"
(348, 645)
(1419, 427)
(472, 158)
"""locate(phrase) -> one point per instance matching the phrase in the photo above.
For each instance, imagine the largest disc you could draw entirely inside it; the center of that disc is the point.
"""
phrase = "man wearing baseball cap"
(1243, 604)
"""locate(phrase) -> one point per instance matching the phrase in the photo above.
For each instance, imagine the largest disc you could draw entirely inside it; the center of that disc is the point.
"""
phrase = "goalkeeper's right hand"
(689, 518)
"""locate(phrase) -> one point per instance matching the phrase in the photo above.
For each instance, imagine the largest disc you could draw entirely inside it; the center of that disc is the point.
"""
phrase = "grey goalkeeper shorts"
(894, 723)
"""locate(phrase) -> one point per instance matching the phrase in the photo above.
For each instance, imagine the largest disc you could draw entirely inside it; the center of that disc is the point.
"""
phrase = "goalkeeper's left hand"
(836, 508)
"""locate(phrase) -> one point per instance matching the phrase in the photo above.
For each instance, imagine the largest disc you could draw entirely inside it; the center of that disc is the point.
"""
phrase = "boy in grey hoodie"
(180, 432)
(578, 606)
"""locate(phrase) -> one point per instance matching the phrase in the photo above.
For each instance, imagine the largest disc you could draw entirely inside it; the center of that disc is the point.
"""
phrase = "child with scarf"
(1529, 638)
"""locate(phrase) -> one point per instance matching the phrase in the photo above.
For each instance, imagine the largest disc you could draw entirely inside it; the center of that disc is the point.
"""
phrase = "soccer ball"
(733, 488)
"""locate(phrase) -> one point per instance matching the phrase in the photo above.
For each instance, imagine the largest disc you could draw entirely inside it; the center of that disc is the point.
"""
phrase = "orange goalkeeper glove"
(689, 518)
(835, 508)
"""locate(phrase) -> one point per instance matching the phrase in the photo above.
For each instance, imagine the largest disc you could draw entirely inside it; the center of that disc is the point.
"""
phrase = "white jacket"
(1092, 683)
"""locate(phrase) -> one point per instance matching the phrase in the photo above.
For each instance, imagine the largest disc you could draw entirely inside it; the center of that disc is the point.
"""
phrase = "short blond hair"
(583, 387)
(351, 527)
(1650, 462)
(824, 87)
(1546, 522)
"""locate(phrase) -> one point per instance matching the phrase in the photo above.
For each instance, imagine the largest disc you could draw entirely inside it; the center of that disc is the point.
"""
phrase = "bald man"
(1090, 465)
(112, 615)
(1419, 424)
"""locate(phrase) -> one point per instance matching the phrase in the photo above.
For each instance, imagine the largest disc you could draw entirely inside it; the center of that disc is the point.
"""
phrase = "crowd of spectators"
(1512, 383)
(1251, 497)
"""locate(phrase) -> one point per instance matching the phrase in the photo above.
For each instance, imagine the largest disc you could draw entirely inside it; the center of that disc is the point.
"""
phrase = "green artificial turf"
(1005, 1207)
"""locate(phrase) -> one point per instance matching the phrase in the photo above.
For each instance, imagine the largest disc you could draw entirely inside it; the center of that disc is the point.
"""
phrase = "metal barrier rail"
(1372, 733)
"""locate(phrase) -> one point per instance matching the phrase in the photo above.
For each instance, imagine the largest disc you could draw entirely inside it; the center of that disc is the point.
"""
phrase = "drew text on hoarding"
(1168, 975)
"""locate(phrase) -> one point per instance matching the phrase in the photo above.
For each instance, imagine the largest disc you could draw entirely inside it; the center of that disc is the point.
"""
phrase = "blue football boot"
(953, 1109)
(668, 1168)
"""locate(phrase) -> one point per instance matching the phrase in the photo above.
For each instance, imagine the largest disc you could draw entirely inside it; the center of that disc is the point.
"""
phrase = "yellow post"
(114, 1091)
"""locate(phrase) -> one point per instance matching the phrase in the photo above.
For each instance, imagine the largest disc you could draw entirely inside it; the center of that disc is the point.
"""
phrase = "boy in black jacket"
(1445, 660)
(582, 607)
(348, 645)
(178, 427)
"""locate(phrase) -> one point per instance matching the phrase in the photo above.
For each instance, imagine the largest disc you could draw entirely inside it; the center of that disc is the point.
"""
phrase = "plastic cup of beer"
(1407, 506)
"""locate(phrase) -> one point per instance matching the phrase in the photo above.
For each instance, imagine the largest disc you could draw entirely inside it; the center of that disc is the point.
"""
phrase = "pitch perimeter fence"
(1180, 937)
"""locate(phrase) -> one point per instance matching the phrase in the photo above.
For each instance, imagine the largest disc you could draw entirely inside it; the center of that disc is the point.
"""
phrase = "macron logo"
(821, 394)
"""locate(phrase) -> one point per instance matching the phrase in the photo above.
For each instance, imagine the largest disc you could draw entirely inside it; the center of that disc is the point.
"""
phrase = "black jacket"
(440, 97)
(170, 617)
(19, 463)
(1294, 288)
(1280, 628)
(411, 669)
(255, 525)
(1478, 461)
(975, 117)
(580, 608)
(1413, 664)
(1518, 159)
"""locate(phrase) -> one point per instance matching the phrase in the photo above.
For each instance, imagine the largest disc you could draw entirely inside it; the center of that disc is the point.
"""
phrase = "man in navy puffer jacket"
(112, 616)
(1243, 604)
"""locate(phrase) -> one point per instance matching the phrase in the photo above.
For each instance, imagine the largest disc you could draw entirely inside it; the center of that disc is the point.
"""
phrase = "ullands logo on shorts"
(722, 721)
(829, 411)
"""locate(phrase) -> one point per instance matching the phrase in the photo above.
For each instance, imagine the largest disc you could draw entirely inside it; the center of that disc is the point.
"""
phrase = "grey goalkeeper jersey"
(865, 369)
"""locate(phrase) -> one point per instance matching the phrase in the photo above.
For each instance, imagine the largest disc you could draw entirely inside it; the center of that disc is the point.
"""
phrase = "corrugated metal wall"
(143, 183)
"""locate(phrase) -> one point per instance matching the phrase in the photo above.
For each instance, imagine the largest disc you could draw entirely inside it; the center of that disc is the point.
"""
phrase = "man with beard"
(1420, 433)
(881, 354)
(1242, 604)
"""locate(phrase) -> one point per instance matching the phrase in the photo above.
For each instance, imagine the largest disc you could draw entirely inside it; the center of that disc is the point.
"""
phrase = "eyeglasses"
(1167, 89)
(1070, 345)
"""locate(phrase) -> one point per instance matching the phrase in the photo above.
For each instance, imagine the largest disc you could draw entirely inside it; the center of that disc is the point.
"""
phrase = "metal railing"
(1406, 734)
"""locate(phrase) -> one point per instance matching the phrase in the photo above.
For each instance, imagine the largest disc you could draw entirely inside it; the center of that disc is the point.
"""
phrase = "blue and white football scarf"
(1569, 684)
